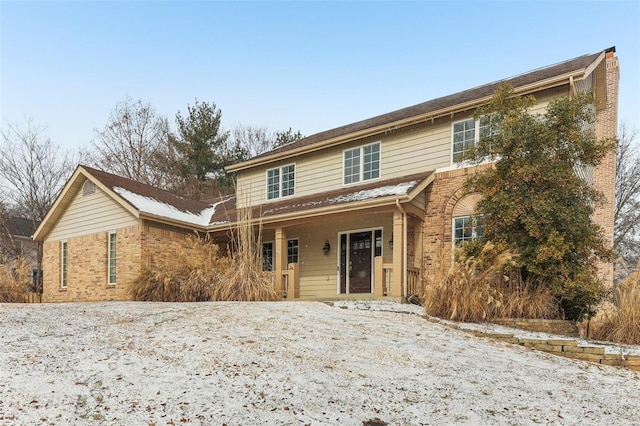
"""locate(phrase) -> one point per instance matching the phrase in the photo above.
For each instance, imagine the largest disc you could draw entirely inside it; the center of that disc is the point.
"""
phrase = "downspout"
(404, 248)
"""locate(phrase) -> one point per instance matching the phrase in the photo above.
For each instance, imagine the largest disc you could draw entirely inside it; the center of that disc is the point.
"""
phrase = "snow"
(383, 191)
(285, 363)
(158, 208)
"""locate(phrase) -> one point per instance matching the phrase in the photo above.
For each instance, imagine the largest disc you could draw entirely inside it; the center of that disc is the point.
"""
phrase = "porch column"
(280, 258)
(418, 244)
(398, 248)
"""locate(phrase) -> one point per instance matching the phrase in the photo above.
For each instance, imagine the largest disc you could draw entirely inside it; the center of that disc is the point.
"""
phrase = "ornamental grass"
(485, 287)
(620, 323)
(14, 280)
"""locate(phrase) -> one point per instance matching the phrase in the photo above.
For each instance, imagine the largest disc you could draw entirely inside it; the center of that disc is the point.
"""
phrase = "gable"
(90, 213)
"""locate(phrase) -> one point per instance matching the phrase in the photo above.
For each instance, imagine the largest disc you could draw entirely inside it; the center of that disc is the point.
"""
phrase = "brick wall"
(158, 241)
(87, 267)
(605, 174)
(441, 198)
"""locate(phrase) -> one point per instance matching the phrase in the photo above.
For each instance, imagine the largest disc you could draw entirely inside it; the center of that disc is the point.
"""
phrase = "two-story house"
(358, 210)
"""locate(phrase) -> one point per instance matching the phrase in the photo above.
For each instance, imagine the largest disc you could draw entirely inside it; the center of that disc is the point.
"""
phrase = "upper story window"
(281, 181)
(362, 163)
(467, 133)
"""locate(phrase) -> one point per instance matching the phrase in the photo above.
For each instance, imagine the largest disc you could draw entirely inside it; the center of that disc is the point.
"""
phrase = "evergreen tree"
(536, 199)
(200, 149)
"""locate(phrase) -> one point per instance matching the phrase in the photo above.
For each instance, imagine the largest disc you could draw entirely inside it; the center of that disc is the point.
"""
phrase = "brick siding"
(605, 174)
(87, 267)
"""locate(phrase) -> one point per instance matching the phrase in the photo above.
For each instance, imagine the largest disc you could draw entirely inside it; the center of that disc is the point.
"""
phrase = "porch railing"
(384, 279)
(291, 282)
(414, 283)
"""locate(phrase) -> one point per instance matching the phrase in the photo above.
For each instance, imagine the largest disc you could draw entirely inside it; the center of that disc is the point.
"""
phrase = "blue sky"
(311, 66)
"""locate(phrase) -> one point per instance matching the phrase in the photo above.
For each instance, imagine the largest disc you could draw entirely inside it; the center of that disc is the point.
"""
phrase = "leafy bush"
(14, 281)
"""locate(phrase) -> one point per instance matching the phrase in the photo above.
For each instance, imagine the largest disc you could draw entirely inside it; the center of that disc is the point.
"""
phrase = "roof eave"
(306, 214)
(53, 215)
(521, 90)
(173, 222)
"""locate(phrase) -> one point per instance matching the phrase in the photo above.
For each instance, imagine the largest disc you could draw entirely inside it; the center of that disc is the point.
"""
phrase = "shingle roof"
(19, 226)
(160, 203)
(111, 181)
(540, 74)
(390, 188)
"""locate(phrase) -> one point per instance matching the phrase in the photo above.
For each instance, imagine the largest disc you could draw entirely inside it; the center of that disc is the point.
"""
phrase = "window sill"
(360, 182)
(63, 288)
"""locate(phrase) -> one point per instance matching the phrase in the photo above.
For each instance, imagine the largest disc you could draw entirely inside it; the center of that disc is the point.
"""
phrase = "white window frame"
(64, 264)
(478, 128)
(112, 269)
(297, 240)
(474, 230)
(280, 190)
(267, 266)
(361, 164)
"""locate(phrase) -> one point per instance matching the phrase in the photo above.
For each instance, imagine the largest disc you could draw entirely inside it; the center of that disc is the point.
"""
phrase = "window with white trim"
(292, 251)
(111, 261)
(281, 181)
(63, 264)
(466, 133)
(267, 256)
(362, 163)
(466, 228)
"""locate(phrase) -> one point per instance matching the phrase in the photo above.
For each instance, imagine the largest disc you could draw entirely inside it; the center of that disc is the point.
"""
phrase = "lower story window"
(267, 256)
(111, 248)
(292, 251)
(466, 228)
(63, 264)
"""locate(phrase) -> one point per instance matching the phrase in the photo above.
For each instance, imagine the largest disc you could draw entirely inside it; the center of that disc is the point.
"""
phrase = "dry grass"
(198, 272)
(189, 275)
(245, 280)
(621, 323)
(14, 281)
(478, 289)
(528, 298)
(465, 291)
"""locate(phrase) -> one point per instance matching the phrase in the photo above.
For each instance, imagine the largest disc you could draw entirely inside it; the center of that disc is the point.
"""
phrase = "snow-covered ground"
(285, 363)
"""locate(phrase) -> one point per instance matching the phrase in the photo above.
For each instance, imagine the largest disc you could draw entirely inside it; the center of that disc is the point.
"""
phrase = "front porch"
(374, 256)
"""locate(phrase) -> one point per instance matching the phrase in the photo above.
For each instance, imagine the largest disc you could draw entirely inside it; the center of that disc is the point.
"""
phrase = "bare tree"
(252, 141)
(32, 172)
(627, 204)
(133, 143)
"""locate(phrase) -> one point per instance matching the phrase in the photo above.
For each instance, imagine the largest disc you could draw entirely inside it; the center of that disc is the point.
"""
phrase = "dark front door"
(359, 267)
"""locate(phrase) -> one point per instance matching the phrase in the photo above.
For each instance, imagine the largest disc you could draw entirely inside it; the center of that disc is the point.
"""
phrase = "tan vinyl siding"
(402, 153)
(91, 214)
(415, 149)
(319, 273)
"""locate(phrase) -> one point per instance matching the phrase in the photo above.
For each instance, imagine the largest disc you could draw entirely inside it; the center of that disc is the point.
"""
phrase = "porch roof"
(374, 194)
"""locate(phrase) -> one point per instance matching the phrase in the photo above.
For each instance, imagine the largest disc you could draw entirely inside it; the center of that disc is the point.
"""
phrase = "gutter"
(522, 90)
